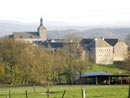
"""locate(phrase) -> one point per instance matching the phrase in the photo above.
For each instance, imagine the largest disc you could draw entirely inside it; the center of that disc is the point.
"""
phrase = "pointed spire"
(41, 22)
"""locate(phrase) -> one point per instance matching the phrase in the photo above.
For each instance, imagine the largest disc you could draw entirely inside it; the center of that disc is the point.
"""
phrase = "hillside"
(112, 69)
(59, 30)
(120, 33)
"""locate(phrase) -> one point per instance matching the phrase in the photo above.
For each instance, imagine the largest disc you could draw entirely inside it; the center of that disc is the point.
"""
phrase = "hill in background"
(56, 30)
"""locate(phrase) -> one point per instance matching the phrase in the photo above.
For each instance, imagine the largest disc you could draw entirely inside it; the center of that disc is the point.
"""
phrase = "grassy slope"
(108, 91)
(112, 69)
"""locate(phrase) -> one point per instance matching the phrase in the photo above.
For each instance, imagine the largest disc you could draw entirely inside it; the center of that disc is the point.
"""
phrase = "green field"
(105, 91)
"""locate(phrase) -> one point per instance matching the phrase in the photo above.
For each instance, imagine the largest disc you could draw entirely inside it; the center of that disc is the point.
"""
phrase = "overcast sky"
(81, 12)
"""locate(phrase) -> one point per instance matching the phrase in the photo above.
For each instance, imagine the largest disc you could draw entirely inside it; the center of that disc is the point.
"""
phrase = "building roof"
(102, 43)
(111, 41)
(101, 74)
(57, 44)
(86, 41)
(91, 74)
(50, 44)
(26, 35)
(41, 24)
(88, 74)
(99, 43)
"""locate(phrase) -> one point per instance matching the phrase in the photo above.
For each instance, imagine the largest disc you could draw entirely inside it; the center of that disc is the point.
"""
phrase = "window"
(21, 36)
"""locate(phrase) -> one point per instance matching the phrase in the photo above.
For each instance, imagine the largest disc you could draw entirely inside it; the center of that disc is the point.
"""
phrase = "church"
(31, 37)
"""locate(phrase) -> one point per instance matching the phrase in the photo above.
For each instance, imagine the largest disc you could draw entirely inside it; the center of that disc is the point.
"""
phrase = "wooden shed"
(102, 78)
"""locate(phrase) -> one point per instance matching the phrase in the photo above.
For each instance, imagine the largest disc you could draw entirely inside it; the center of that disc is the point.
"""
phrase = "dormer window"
(21, 36)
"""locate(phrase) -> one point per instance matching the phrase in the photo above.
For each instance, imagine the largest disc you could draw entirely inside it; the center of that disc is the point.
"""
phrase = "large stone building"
(105, 51)
(120, 51)
(30, 37)
(100, 51)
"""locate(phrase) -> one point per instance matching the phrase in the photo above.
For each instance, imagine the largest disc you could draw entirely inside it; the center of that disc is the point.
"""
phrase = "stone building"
(30, 37)
(120, 51)
(100, 52)
(105, 51)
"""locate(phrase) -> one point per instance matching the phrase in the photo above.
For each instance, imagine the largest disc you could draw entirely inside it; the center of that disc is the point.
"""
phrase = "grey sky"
(82, 12)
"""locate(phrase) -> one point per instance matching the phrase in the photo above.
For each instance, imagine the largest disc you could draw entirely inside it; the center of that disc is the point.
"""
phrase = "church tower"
(42, 31)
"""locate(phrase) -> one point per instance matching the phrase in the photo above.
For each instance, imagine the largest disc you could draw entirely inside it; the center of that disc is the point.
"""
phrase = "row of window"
(101, 50)
(105, 55)
(22, 36)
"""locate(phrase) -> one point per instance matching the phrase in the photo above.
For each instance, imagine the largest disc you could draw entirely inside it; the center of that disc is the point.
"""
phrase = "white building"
(100, 52)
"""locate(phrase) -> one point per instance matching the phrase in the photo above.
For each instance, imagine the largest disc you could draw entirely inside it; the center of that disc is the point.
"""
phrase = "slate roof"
(111, 41)
(26, 35)
(57, 45)
(86, 41)
(10, 36)
(98, 43)
(94, 74)
(89, 74)
(50, 44)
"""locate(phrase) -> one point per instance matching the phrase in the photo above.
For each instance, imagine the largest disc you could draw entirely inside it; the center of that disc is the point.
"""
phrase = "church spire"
(41, 22)
(42, 31)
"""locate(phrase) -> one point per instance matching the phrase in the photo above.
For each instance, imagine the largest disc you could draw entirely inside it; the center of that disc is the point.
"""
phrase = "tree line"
(24, 63)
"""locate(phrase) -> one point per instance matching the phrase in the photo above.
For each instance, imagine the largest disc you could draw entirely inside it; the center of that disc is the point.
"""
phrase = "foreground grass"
(106, 91)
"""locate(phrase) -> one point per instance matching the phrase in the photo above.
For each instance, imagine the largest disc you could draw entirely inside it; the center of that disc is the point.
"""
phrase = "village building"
(105, 51)
(120, 51)
(97, 50)
(30, 37)
(100, 52)
(101, 78)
